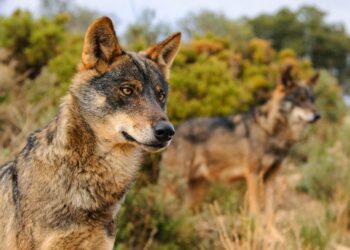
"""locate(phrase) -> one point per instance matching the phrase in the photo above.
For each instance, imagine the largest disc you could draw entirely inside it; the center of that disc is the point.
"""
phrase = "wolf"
(249, 146)
(64, 189)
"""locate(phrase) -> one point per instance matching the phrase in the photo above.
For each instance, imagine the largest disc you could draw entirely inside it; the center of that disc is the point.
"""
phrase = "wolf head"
(297, 99)
(122, 95)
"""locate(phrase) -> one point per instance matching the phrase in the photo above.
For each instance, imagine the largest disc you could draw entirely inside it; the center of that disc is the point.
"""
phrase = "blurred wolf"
(248, 146)
(64, 189)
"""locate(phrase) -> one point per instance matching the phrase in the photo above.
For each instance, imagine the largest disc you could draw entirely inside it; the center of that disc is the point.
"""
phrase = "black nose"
(317, 117)
(164, 131)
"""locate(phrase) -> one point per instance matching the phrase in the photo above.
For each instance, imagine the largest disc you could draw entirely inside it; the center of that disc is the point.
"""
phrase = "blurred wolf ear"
(164, 53)
(313, 80)
(101, 46)
(287, 79)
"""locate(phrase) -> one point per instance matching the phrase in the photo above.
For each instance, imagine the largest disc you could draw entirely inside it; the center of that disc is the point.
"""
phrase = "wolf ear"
(287, 79)
(101, 45)
(313, 80)
(164, 53)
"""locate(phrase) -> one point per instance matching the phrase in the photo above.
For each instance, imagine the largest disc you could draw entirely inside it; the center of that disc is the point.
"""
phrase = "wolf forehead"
(132, 67)
(300, 94)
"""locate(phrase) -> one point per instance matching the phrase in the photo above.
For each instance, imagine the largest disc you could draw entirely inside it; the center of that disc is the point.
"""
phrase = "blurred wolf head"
(122, 95)
(297, 98)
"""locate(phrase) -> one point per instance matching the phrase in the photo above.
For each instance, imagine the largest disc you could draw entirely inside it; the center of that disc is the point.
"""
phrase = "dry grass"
(23, 108)
(302, 220)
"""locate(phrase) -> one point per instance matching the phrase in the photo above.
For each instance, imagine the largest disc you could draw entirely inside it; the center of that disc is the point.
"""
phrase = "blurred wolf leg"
(252, 191)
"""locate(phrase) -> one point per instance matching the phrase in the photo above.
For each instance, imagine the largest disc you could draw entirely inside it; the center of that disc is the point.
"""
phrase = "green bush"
(327, 164)
(147, 216)
(64, 65)
(32, 42)
(329, 99)
(313, 236)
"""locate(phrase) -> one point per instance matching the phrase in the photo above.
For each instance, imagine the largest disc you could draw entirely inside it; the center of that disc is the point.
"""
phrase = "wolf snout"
(164, 131)
(316, 117)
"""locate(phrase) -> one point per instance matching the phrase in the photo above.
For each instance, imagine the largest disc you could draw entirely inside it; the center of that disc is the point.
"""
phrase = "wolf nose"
(164, 131)
(317, 116)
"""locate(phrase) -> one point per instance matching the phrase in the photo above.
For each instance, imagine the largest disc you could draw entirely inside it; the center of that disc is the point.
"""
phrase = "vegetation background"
(224, 66)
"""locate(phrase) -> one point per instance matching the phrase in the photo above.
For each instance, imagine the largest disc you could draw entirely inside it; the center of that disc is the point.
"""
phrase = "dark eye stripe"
(300, 95)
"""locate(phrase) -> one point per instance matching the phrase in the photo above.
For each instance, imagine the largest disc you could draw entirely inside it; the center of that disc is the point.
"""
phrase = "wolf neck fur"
(274, 123)
(77, 154)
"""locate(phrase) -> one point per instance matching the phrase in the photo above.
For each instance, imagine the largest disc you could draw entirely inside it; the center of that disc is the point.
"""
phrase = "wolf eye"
(161, 97)
(127, 91)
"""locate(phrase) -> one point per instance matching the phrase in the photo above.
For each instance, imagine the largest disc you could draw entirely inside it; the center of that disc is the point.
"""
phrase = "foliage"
(307, 32)
(327, 164)
(313, 237)
(329, 98)
(208, 22)
(147, 217)
(33, 42)
(65, 63)
(79, 17)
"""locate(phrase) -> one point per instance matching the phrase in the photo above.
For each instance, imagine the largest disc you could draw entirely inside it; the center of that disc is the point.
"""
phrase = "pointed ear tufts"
(287, 79)
(313, 80)
(164, 52)
(101, 46)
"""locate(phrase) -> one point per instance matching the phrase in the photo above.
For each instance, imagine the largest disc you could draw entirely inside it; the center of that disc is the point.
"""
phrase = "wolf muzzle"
(316, 117)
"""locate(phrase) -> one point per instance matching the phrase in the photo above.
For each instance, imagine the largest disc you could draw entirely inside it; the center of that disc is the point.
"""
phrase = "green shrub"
(314, 237)
(33, 42)
(327, 165)
(64, 65)
(329, 99)
(147, 215)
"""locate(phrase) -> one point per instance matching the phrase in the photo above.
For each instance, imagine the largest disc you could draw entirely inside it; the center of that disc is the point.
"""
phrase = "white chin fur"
(304, 115)
(155, 149)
